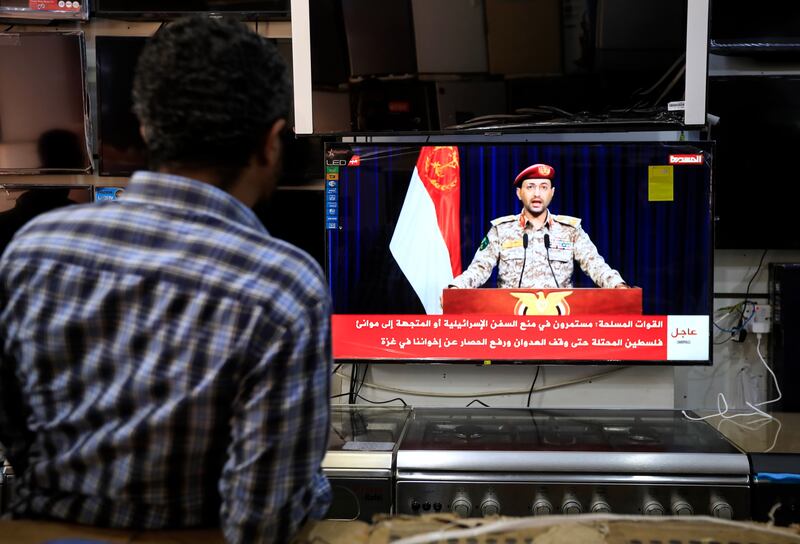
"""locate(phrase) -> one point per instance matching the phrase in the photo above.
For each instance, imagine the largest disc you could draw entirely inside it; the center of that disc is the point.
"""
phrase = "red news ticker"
(500, 337)
(686, 159)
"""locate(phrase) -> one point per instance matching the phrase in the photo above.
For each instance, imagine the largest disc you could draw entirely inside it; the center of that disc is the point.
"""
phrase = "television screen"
(772, 28)
(122, 150)
(163, 9)
(21, 203)
(405, 220)
(639, 57)
(756, 141)
(20, 11)
(43, 104)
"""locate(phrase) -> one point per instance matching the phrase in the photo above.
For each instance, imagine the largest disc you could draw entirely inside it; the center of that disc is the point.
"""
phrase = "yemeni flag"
(426, 242)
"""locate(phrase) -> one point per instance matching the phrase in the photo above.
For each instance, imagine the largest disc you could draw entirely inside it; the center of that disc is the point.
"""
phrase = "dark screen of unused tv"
(773, 25)
(122, 150)
(42, 103)
(757, 140)
(273, 9)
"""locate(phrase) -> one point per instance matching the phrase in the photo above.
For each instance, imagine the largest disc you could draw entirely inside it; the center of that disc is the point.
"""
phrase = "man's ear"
(518, 192)
(143, 133)
(272, 146)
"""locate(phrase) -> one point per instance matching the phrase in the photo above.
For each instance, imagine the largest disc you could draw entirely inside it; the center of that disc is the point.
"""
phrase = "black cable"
(336, 369)
(747, 292)
(363, 378)
(382, 401)
(352, 385)
(747, 296)
(479, 401)
(9, 28)
(530, 393)
(339, 395)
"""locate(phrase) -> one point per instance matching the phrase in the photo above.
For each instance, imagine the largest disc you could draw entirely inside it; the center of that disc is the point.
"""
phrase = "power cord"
(742, 332)
(763, 417)
(533, 384)
(439, 394)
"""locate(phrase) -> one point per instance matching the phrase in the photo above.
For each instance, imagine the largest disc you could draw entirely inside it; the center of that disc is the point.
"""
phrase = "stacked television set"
(770, 29)
(756, 97)
(122, 150)
(167, 9)
(646, 206)
(453, 65)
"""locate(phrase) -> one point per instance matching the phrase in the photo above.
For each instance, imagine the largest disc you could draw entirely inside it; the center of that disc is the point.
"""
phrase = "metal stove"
(360, 460)
(520, 462)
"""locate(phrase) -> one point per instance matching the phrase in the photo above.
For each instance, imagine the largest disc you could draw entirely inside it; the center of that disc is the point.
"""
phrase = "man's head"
(211, 97)
(535, 188)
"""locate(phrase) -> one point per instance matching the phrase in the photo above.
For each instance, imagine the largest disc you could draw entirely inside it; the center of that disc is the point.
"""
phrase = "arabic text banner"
(520, 338)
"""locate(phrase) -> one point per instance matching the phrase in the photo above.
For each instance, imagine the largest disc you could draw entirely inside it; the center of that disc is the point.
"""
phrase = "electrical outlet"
(762, 319)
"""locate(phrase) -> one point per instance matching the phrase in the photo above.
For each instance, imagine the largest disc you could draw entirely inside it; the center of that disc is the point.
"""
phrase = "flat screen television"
(21, 11)
(757, 139)
(645, 63)
(43, 104)
(21, 203)
(169, 9)
(769, 28)
(121, 148)
(403, 219)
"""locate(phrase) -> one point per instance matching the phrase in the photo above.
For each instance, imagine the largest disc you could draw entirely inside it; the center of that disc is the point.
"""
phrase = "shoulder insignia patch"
(567, 220)
(484, 244)
(504, 219)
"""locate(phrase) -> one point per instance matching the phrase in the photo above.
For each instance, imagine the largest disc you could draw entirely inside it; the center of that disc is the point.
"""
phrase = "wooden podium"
(543, 301)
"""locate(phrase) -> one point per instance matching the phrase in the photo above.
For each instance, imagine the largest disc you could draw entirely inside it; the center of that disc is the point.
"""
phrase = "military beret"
(535, 171)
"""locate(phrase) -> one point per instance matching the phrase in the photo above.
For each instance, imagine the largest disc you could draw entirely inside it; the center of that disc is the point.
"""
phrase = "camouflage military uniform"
(568, 243)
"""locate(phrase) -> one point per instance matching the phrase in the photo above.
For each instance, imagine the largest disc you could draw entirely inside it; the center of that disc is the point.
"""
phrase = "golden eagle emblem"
(442, 167)
(554, 303)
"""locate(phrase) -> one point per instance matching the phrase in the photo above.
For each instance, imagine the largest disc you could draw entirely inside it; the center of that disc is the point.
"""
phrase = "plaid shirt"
(164, 362)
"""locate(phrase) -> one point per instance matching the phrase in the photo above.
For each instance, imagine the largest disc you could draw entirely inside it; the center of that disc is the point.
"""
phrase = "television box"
(41, 11)
(43, 104)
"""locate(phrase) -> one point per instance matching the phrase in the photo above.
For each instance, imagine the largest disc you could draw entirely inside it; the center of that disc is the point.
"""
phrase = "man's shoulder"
(504, 219)
(567, 220)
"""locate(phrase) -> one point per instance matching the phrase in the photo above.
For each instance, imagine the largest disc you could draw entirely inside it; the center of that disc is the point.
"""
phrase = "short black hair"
(207, 91)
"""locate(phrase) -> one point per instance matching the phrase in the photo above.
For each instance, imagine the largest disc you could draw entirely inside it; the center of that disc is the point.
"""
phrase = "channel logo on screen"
(686, 159)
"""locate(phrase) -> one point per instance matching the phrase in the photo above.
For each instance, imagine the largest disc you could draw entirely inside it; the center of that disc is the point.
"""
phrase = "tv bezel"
(697, 30)
(708, 146)
(87, 125)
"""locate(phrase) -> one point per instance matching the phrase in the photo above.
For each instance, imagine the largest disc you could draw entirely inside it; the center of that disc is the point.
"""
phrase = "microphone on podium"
(524, 257)
(547, 250)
